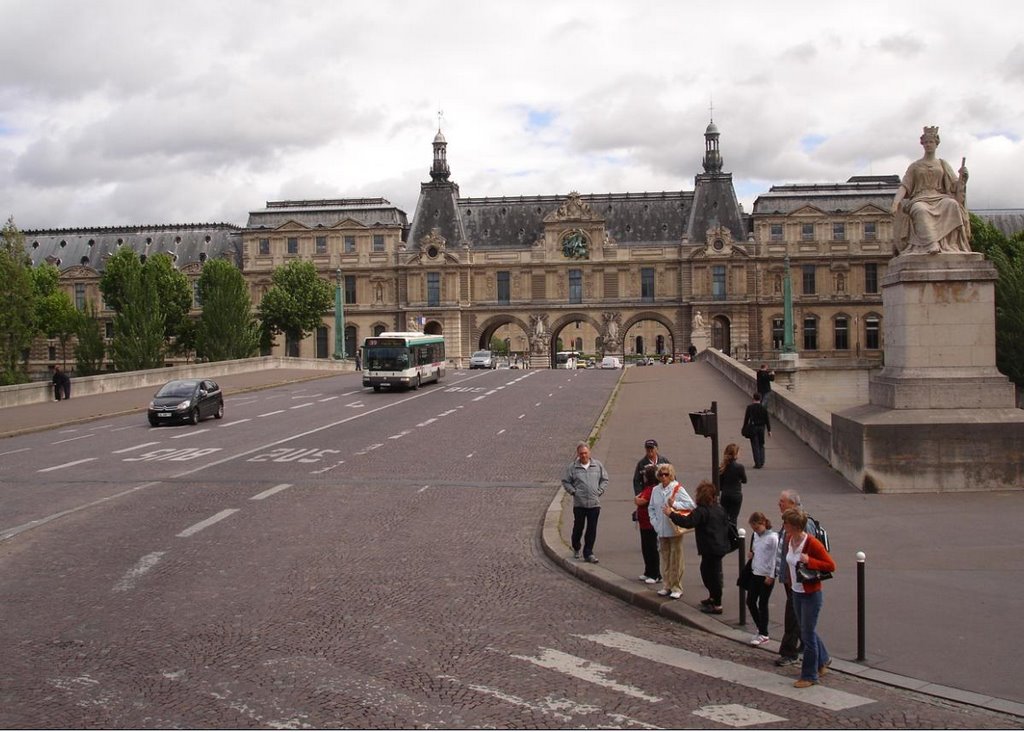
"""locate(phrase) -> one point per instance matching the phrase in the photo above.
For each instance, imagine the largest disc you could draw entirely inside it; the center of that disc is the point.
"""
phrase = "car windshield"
(177, 389)
(482, 354)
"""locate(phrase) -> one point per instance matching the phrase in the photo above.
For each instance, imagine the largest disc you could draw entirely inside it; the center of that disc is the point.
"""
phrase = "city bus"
(567, 359)
(402, 360)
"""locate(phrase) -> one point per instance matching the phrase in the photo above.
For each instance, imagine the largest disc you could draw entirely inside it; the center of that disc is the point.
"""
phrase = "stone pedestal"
(700, 340)
(941, 417)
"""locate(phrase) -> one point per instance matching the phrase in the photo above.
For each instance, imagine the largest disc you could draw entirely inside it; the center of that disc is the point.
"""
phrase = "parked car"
(611, 362)
(186, 400)
(482, 360)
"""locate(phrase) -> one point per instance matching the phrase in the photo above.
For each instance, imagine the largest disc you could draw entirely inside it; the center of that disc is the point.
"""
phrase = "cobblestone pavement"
(407, 588)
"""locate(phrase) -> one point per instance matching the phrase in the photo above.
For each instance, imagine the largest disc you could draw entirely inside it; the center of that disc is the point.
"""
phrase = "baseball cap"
(651, 443)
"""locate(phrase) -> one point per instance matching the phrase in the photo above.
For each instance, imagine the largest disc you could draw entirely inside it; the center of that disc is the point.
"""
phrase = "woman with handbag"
(764, 545)
(648, 536)
(712, 527)
(806, 560)
(670, 537)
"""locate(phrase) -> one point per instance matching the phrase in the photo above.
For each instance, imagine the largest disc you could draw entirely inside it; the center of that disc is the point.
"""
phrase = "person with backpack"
(712, 526)
(790, 646)
(756, 423)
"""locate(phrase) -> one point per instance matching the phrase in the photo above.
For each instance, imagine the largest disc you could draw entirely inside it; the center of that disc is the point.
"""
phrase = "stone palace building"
(619, 273)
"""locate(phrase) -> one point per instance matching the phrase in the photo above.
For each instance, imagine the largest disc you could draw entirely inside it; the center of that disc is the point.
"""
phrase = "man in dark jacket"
(756, 423)
(651, 457)
(711, 523)
(765, 377)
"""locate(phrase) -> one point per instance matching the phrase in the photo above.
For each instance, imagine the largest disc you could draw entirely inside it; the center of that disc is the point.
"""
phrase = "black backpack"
(734, 536)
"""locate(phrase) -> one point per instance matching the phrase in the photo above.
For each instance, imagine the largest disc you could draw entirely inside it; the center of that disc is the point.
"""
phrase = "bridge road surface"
(329, 557)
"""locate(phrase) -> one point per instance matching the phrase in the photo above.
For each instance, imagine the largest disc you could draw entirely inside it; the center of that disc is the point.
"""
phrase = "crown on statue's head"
(931, 131)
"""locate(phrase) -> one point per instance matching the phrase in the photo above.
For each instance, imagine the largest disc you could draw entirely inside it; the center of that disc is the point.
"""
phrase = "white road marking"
(307, 396)
(20, 449)
(271, 414)
(520, 416)
(423, 489)
(327, 469)
(476, 399)
(581, 668)
(132, 449)
(141, 567)
(237, 421)
(350, 393)
(327, 399)
(400, 435)
(300, 406)
(66, 465)
(119, 429)
(100, 427)
(429, 421)
(737, 715)
(355, 405)
(469, 455)
(501, 431)
(817, 696)
(68, 431)
(205, 523)
(70, 439)
(537, 404)
(191, 433)
(370, 448)
(270, 491)
(9, 533)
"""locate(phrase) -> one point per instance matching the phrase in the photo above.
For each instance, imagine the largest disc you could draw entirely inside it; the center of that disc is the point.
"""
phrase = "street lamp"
(339, 317)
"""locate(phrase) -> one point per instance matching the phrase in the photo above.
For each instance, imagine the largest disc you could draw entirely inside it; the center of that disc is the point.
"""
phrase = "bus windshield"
(386, 358)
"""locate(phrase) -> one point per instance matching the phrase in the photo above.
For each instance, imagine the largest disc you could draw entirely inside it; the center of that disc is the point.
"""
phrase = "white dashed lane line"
(270, 491)
(191, 433)
(70, 439)
(206, 523)
(300, 406)
(66, 465)
(134, 447)
(237, 421)
(271, 414)
(11, 452)
(141, 567)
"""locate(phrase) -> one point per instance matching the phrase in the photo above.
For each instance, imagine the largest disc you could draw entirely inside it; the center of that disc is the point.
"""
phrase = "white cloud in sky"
(134, 112)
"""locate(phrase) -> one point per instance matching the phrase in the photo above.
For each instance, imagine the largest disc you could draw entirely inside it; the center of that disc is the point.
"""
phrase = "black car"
(186, 400)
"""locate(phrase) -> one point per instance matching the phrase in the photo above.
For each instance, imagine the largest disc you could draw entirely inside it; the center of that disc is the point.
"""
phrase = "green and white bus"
(402, 360)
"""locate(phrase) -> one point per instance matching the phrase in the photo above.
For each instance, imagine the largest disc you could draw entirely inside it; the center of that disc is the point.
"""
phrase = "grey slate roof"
(328, 212)
(187, 243)
(855, 194)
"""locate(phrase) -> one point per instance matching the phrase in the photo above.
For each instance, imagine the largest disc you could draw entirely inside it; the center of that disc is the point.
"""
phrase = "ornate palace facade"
(620, 274)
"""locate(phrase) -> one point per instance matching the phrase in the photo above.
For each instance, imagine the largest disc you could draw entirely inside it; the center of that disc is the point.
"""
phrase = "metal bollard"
(742, 561)
(861, 557)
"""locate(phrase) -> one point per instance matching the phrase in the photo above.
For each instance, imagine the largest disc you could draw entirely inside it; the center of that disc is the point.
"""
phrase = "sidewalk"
(47, 415)
(942, 572)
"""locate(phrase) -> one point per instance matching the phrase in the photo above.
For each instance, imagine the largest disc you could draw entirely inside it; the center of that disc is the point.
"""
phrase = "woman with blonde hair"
(669, 494)
(731, 477)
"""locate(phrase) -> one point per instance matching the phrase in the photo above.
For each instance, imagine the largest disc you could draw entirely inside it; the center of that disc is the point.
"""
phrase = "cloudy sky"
(146, 112)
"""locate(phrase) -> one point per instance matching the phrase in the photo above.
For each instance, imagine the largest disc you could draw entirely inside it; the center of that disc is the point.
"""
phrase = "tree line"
(151, 301)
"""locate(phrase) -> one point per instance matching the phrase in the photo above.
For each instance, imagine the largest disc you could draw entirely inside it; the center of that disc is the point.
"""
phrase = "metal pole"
(861, 557)
(714, 448)
(742, 562)
(339, 316)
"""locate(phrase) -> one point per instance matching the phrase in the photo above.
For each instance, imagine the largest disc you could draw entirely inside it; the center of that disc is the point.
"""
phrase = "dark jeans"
(649, 548)
(757, 603)
(757, 445)
(790, 645)
(711, 576)
(584, 517)
(731, 502)
(807, 606)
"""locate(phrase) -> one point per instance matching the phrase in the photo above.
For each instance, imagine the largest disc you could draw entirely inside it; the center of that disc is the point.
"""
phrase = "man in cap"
(651, 457)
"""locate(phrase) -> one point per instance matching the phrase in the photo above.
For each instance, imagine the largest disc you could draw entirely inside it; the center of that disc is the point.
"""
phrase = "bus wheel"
(418, 383)
(376, 388)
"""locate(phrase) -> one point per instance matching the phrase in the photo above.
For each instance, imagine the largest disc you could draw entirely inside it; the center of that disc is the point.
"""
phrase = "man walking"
(790, 646)
(585, 480)
(651, 457)
(765, 377)
(756, 423)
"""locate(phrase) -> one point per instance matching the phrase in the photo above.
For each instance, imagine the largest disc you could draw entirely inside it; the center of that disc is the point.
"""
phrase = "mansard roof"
(853, 195)
(629, 218)
(326, 213)
(1008, 220)
(186, 243)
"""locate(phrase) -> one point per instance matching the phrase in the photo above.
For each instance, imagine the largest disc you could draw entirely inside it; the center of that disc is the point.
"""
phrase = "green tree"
(1007, 254)
(139, 322)
(91, 346)
(184, 343)
(172, 288)
(227, 328)
(56, 316)
(296, 303)
(17, 305)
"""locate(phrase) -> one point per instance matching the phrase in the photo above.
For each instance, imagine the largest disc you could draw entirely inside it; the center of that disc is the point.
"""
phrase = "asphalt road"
(329, 557)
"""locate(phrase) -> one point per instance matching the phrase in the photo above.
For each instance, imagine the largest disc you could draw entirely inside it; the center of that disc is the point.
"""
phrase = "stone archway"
(513, 333)
(721, 334)
(433, 327)
(565, 321)
(650, 342)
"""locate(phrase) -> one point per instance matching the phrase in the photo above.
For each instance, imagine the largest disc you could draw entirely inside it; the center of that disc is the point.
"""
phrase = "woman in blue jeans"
(807, 596)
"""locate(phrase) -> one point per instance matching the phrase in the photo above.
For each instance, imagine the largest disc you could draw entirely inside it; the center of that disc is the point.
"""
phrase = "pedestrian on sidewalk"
(585, 480)
(731, 477)
(648, 536)
(712, 528)
(61, 384)
(808, 599)
(790, 646)
(765, 377)
(651, 457)
(669, 492)
(756, 423)
(764, 545)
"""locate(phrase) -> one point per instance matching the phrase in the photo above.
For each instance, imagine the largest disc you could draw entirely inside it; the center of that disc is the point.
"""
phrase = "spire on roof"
(439, 171)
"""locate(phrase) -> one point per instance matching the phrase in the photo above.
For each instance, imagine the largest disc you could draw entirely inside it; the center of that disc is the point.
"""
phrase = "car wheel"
(219, 414)
(153, 422)
(193, 416)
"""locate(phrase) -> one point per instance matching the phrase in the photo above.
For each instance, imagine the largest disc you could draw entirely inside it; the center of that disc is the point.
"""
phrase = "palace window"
(350, 289)
(718, 282)
(293, 245)
(647, 284)
(197, 300)
(433, 288)
(838, 231)
(778, 333)
(378, 242)
(80, 295)
(108, 329)
(870, 231)
(807, 232)
(264, 247)
(504, 289)
(576, 286)
(842, 333)
(321, 245)
(810, 333)
(872, 332)
(775, 232)
(871, 277)
(350, 244)
(809, 280)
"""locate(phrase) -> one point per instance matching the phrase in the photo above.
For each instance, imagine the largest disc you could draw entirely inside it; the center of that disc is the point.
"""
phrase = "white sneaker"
(643, 578)
(663, 592)
(675, 595)
(758, 640)
(651, 581)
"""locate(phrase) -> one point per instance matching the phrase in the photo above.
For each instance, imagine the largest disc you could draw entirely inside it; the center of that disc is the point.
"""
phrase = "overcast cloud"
(145, 112)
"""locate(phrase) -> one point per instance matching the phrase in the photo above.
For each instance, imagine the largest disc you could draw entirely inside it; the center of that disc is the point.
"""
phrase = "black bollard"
(860, 606)
(743, 590)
